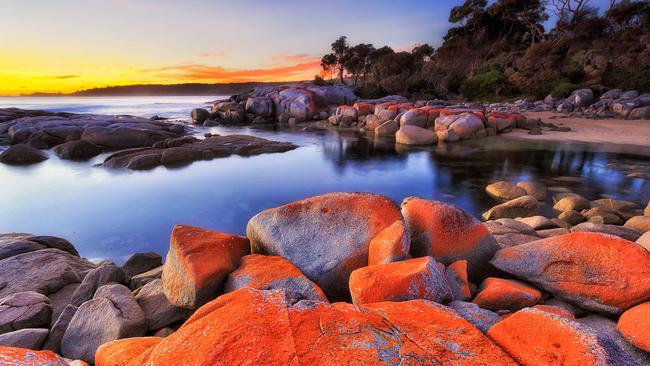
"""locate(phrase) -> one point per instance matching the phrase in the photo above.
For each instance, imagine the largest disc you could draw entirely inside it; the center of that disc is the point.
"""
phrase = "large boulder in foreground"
(448, 234)
(417, 278)
(313, 333)
(268, 272)
(112, 314)
(198, 263)
(634, 325)
(21, 356)
(326, 237)
(535, 337)
(594, 271)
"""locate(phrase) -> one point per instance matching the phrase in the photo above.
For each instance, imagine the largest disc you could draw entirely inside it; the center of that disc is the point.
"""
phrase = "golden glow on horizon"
(28, 72)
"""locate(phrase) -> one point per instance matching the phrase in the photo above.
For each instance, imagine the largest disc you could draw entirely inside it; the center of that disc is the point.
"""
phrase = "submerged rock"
(22, 154)
(505, 191)
(518, 207)
(189, 150)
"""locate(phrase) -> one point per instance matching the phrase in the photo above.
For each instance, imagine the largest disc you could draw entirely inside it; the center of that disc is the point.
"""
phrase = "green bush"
(563, 89)
(488, 85)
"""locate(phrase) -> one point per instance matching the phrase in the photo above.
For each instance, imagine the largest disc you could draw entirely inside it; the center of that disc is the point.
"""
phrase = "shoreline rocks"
(410, 273)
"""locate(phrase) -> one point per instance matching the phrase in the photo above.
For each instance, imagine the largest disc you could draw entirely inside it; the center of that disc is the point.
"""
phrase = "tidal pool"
(114, 213)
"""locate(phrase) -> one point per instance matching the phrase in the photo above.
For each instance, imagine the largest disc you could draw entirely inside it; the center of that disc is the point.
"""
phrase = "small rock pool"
(114, 213)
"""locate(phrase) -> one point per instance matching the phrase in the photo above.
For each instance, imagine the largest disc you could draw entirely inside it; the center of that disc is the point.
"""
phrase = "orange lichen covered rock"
(266, 272)
(456, 274)
(417, 278)
(534, 337)
(594, 271)
(391, 245)
(501, 294)
(124, 352)
(634, 325)
(556, 310)
(253, 327)
(448, 234)
(364, 108)
(22, 356)
(326, 237)
(197, 264)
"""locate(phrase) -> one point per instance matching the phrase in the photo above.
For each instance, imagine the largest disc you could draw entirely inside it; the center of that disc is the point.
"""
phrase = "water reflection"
(110, 214)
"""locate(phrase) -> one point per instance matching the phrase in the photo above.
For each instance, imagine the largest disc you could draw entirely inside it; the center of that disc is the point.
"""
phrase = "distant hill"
(162, 90)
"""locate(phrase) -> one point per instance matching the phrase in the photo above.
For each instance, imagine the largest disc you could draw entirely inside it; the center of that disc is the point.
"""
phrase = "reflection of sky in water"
(115, 213)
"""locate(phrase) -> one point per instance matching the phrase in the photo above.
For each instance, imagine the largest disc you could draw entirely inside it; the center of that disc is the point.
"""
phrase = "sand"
(597, 131)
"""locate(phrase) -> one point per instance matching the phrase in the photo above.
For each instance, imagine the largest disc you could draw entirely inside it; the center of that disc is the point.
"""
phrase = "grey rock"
(142, 262)
(54, 242)
(571, 217)
(30, 338)
(60, 299)
(142, 279)
(77, 150)
(53, 342)
(24, 310)
(622, 351)
(22, 154)
(12, 247)
(44, 271)
(95, 279)
(199, 115)
(518, 207)
(627, 233)
(482, 319)
(158, 311)
(538, 222)
(326, 236)
(112, 314)
(581, 97)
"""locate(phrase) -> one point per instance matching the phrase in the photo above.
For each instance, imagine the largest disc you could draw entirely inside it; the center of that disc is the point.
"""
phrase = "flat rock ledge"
(185, 150)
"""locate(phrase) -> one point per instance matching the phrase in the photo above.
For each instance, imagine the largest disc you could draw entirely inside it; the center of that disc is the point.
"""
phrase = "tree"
(340, 50)
(328, 63)
(357, 61)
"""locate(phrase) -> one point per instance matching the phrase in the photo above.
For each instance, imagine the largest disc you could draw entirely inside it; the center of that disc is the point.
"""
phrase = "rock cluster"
(582, 102)
(337, 279)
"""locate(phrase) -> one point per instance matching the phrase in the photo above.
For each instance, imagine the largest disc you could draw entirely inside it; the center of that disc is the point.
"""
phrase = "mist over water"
(114, 213)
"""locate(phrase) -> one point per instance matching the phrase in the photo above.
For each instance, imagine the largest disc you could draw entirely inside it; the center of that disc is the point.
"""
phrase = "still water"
(113, 213)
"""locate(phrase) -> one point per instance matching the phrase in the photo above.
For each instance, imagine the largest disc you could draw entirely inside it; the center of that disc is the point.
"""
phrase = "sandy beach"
(599, 131)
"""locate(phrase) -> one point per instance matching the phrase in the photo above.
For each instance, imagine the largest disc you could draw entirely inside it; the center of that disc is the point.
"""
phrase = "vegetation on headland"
(162, 89)
(502, 50)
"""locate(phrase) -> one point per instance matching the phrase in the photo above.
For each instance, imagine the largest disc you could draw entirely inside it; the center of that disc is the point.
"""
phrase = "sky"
(69, 45)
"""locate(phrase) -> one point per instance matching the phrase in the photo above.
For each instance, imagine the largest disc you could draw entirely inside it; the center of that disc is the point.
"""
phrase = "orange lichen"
(634, 325)
(501, 294)
(390, 245)
(125, 352)
(23, 356)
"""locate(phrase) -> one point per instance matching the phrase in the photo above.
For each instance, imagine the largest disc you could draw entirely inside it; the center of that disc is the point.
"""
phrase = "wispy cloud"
(291, 58)
(202, 72)
(214, 53)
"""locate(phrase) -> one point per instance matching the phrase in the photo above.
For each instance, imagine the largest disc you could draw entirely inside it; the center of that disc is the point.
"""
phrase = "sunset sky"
(67, 45)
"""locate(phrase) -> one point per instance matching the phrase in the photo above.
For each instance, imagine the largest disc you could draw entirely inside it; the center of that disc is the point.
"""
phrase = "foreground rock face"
(447, 233)
(390, 245)
(594, 271)
(264, 272)
(326, 237)
(188, 149)
(198, 263)
(420, 332)
(24, 310)
(417, 278)
(534, 337)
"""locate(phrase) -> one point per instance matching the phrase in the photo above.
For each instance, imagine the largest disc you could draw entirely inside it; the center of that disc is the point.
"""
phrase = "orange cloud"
(291, 58)
(206, 73)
